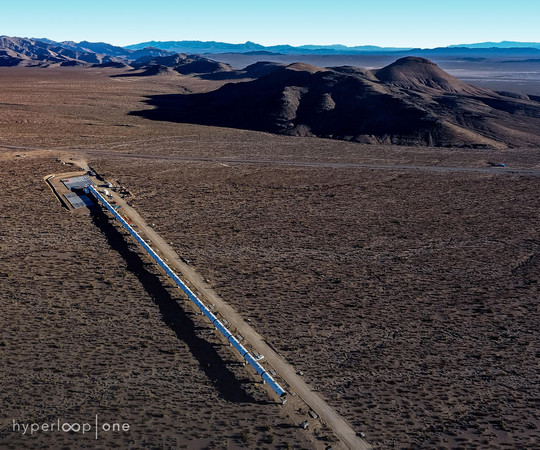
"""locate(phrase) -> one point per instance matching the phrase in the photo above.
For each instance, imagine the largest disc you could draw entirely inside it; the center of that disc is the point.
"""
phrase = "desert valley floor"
(408, 298)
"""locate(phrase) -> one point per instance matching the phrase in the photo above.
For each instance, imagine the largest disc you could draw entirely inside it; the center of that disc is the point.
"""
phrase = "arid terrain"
(87, 329)
(407, 297)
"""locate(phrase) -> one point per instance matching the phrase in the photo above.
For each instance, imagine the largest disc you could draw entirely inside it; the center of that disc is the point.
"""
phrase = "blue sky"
(386, 23)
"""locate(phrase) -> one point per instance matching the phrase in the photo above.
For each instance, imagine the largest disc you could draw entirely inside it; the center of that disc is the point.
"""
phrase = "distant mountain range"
(502, 44)
(223, 47)
(45, 52)
(15, 51)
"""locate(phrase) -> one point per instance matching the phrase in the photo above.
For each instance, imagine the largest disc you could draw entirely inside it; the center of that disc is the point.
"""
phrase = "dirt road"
(269, 162)
(297, 163)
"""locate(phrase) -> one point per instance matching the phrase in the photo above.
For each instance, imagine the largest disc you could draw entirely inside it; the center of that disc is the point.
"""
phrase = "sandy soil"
(408, 298)
(87, 328)
(424, 286)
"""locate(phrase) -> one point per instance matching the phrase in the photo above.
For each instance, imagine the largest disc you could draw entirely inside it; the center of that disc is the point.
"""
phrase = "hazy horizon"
(499, 44)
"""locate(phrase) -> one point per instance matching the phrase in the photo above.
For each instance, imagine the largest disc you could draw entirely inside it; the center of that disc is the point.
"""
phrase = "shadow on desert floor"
(214, 367)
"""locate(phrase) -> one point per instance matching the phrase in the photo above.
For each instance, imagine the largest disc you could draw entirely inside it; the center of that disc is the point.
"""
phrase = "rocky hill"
(180, 63)
(409, 102)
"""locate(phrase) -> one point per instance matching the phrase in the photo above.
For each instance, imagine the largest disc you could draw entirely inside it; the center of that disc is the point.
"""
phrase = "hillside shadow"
(246, 107)
(210, 362)
(206, 109)
(153, 71)
(254, 104)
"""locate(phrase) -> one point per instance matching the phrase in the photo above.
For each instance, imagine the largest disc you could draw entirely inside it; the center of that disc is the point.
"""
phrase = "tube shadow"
(211, 363)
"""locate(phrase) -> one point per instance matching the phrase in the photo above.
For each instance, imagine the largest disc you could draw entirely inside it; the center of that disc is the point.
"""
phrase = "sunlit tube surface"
(219, 325)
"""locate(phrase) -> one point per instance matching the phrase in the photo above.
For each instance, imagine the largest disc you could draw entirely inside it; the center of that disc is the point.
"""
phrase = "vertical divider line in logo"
(96, 427)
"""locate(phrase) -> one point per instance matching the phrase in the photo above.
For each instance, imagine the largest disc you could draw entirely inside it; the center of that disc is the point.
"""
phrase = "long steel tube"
(266, 377)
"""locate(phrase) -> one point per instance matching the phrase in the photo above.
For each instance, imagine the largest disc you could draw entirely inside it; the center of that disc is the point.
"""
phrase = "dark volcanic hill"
(419, 73)
(181, 63)
(409, 102)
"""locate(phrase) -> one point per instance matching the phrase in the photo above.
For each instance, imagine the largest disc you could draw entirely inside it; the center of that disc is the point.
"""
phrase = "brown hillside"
(413, 72)
(409, 102)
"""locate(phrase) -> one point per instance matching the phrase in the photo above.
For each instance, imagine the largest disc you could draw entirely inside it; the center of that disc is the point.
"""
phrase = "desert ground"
(408, 298)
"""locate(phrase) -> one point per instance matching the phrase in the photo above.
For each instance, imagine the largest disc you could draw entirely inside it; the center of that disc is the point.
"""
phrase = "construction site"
(88, 191)
(399, 284)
